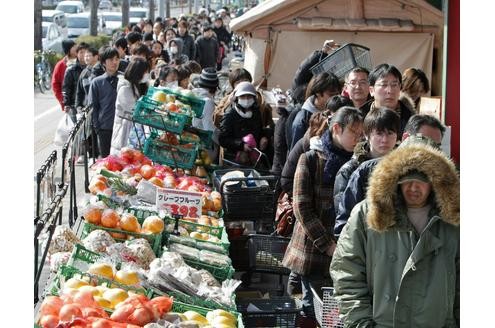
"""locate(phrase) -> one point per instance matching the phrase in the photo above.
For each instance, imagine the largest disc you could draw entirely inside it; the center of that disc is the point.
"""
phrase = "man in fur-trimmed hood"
(397, 260)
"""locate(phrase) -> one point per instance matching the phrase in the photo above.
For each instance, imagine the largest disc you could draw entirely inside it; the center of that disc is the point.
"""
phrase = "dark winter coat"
(206, 51)
(188, 48)
(222, 35)
(385, 273)
(313, 209)
(290, 166)
(300, 122)
(102, 96)
(69, 86)
(303, 74)
(280, 142)
(361, 154)
(233, 128)
(83, 87)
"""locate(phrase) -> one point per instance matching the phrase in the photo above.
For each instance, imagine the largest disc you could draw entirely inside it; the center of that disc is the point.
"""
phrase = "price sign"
(185, 203)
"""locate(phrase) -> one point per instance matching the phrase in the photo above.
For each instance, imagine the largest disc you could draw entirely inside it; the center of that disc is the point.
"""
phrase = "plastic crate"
(192, 300)
(274, 312)
(326, 309)
(180, 307)
(221, 247)
(197, 104)
(206, 140)
(191, 226)
(241, 202)
(220, 273)
(344, 59)
(155, 240)
(267, 252)
(144, 113)
(81, 258)
(171, 155)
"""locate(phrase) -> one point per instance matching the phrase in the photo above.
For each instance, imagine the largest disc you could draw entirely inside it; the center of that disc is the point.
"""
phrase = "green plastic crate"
(199, 244)
(220, 273)
(192, 300)
(171, 155)
(205, 136)
(180, 307)
(191, 226)
(144, 113)
(80, 253)
(197, 104)
(155, 240)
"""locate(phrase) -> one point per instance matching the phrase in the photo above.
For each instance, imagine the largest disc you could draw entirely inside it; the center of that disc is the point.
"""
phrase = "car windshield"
(140, 14)
(68, 9)
(45, 29)
(115, 18)
(78, 22)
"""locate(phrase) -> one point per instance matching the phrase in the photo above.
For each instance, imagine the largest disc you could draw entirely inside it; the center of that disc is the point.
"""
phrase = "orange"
(129, 222)
(110, 218)
(93, 215)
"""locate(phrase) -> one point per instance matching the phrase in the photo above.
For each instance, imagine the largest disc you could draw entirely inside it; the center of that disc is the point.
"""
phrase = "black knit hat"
(208, 78)
(67, 44)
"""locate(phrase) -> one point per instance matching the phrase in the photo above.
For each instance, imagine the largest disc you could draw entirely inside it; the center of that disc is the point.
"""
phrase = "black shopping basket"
(344, 59)
(273, 312)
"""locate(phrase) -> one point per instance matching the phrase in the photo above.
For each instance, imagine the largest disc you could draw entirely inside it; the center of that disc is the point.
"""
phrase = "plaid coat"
(312, 202)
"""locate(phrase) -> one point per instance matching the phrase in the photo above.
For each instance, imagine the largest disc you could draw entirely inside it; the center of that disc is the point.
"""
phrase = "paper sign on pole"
(431, 106)
(179, 202)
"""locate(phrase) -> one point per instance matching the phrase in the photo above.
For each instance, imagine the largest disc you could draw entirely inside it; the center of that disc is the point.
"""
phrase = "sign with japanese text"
(185, 203)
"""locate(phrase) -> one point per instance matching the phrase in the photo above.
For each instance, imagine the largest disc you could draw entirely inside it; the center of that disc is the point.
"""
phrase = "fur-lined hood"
(408, 102)
(382, 192)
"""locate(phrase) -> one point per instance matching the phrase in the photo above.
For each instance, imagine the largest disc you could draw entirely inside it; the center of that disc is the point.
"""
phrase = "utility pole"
(161, 8)
(93, 26)
(189, 4)
(167, 8)
(125, 13)
(37, 25)
(151, 11)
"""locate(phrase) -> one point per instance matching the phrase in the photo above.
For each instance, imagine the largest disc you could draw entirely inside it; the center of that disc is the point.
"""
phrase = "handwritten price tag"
(185, 203)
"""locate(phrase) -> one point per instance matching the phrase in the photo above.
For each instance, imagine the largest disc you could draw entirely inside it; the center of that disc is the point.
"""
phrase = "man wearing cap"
(396, 263)
(242, 119)
(303, 74)
(207, 48)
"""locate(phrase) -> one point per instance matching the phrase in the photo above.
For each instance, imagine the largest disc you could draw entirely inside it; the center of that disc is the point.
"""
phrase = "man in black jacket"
(188, 48)
(207, 48)
(71, 77)
(303, 74)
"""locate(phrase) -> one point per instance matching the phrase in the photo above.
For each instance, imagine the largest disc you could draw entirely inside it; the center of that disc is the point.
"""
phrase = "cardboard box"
(431, 106)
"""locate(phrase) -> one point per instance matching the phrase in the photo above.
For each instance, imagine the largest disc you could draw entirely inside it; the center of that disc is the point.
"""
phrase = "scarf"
(335, 158)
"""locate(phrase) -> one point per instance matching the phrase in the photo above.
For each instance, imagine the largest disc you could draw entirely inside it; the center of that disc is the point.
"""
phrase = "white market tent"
(281, 33)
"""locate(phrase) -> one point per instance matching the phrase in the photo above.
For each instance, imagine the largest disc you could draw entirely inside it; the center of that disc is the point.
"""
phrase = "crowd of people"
(376, 201)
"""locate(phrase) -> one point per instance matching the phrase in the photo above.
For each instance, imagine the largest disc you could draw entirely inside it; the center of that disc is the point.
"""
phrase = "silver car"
(51, 37)
(78, 24)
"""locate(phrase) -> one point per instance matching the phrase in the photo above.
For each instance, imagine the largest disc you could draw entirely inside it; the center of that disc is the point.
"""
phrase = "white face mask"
(173, 50)
(146, 78)
(172, 85)
(246, 103)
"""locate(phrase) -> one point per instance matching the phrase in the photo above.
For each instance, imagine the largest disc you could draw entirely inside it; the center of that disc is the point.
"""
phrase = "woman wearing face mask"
(242, 119)
(168, 78)
(130, 87)
(175, 50)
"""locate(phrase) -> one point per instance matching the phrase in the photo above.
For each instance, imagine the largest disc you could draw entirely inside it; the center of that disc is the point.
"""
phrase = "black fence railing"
(45, 184)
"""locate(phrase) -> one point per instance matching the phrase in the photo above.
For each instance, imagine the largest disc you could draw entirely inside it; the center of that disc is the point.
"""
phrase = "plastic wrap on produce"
(186, 251)
(141, 251)
(57, 259)
(98, 241)
(146, 191)
(214, 258)
(63, 240)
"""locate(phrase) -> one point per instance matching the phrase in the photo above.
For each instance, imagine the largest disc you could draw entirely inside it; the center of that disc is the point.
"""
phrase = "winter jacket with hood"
(361, 154)
(124, 106)
(313, 207)
(179, 55)
(386, 274)
(301, 121)
(279, 141)
(405, 111)
(188, 48)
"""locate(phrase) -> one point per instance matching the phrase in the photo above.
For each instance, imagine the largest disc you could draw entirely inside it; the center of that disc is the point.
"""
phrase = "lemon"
(195, 316)
(127, 277)
(75, 283)
(102, 269)
(115, 296)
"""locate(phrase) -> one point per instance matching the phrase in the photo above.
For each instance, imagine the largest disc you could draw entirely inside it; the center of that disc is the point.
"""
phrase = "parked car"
(112, 20)
(78, 24)
(136, 14)
(51, 37)
(70, 7)
(105, 5)
(55, 16)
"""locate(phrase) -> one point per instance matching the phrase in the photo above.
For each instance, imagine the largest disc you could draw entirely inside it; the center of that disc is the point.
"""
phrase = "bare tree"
(93, 26)
(37, 25)
(151, 10)
(125, 13)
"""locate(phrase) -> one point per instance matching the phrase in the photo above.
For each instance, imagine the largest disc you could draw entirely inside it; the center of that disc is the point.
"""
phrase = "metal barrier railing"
(45, 184)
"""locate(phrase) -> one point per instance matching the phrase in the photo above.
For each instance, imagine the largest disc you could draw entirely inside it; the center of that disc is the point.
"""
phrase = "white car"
(105, 5)
(78, 24)
(136, 14)
(51, 37)
(70, 7)
(112, 20)
(55, 16)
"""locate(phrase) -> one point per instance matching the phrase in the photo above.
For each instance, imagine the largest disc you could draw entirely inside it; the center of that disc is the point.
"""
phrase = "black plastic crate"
(266, 253)
(343, 60)
(274, 312)
(242, 199)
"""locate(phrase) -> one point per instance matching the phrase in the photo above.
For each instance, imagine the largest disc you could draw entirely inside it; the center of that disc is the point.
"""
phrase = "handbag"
(284, 216)
(64, 127)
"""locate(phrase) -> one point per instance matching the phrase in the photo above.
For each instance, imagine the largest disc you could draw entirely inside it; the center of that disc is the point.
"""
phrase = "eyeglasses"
(357, 135)
(392, 85)
(361, 83)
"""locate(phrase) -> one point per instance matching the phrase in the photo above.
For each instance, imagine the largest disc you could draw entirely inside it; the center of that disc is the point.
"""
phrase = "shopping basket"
(344, 59)
(274, 312)
(326, 309)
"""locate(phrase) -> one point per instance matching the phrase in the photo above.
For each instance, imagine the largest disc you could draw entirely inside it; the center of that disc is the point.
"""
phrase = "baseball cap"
(413, 175)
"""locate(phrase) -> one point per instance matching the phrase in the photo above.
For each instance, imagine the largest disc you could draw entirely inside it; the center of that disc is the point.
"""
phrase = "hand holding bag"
(64, 127)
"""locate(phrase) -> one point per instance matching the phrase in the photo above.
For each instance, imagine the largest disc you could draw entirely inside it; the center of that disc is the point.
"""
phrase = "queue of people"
(376, 201)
